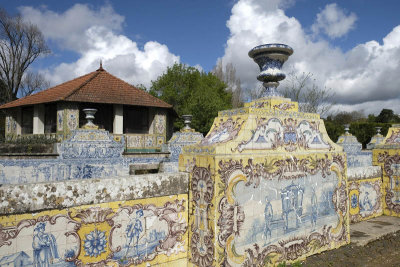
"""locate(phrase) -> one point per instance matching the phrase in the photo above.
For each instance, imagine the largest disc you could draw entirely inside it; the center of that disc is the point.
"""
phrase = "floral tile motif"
(160, 124)
(134, 233)
(149, 141)
(60, 120)
(72, 119)
(160, 140)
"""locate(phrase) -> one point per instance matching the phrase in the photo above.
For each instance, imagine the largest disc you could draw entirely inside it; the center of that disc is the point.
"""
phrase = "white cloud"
(333, 21)
(363, 76)
(95, 35)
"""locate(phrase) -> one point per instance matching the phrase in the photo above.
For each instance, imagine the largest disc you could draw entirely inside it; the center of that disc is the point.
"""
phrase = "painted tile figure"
(354, 201)
(133, 232)
(292, 201)
(314, 208)
(44, 247)
(268, 214)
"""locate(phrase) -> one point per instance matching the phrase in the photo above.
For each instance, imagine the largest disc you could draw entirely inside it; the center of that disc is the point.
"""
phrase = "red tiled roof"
(96, 87)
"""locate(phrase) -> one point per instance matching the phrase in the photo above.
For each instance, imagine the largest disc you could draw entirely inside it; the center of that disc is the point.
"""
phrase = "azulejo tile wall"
(85, 154)
(387, 156)
(365, 193)
(266, 186)
(137, 232)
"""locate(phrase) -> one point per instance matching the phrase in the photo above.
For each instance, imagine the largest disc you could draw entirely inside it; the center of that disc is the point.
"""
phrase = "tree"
(362, 128)
(387, 115)
(21, 43)
(345, 117)
(228, 76)
(192, 92)
(365, 131)
(311, 98)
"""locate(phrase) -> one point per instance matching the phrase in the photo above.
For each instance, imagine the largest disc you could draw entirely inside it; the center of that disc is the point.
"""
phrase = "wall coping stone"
(25, 198)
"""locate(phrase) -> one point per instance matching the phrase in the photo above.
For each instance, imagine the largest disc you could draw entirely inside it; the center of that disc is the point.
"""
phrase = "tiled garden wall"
(387, 156)
(365, 193)
(266, 186)
(86, 154)
(137, 220)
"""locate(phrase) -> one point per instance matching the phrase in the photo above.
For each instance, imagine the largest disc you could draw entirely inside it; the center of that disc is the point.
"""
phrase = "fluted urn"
(270, 58)
(89, 112)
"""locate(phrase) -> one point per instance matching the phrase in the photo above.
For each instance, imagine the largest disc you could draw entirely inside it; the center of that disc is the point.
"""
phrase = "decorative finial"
(346, 129)
(187, 120)
(270, 58)
(378, 130)
(89, 112)
(101, 66)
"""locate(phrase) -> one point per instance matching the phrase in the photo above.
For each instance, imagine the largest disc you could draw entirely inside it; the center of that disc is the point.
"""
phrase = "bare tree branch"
(228, 76)
(311, 98)
(21, 43)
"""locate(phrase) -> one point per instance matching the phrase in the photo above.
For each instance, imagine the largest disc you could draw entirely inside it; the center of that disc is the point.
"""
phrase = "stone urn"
(187, 120)
(89, 112)
(270, 58)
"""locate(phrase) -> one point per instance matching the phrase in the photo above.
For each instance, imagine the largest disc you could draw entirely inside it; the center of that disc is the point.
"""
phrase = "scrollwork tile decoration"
(387, 156)
(202, 247)
(160, 124)
(131, 234)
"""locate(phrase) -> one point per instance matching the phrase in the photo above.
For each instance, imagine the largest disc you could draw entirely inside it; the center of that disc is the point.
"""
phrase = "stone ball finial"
(270, 59)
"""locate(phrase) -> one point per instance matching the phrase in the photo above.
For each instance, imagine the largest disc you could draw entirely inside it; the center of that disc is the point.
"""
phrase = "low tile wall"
(144, 142)
(359, 159)
(136, 220)
(86, 154)
(365, 193)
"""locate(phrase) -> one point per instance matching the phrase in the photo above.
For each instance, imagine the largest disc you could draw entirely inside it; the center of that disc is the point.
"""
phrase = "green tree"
(362, 128)
(364, 131)
(387, 115)
(334, 130)
(192, 92)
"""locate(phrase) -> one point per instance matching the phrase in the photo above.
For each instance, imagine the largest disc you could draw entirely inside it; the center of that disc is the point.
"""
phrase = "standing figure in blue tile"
(44, 247)
(366, 204)
(314, 208)
(268, 214)
(133, 231)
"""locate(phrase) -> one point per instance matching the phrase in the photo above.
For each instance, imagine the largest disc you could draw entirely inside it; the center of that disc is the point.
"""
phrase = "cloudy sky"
(351, 46)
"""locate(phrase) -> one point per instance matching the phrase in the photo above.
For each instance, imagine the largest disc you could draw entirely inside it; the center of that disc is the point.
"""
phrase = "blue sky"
(340, 42)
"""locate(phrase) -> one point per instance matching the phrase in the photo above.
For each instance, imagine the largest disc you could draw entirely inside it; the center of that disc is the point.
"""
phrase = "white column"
(38, 119)
(118, 124)
(18, 120)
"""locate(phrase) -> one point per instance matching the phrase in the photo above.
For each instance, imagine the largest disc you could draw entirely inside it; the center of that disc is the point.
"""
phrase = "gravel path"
(382, 252)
